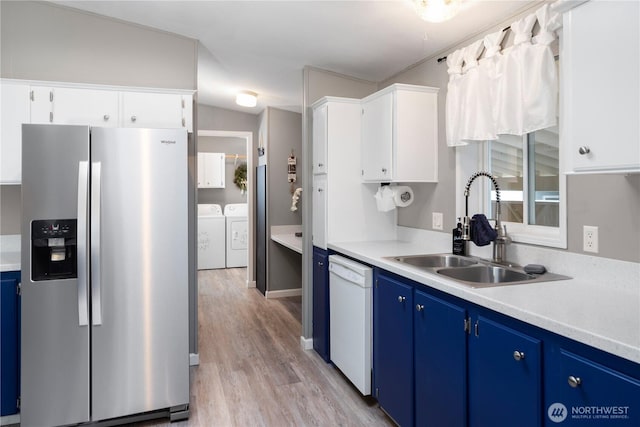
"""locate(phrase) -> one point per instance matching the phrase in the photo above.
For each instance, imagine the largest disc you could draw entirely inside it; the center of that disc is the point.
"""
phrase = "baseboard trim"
(251, 283)
(306, 343)
(10, 419)
(194, 359)
(284, 293)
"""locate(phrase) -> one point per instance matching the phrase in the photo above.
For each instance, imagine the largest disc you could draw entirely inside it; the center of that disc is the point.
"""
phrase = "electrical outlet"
(436, 220)
(590, 239)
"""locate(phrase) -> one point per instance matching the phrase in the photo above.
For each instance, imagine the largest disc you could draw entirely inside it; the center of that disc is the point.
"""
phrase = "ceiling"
(263, 46)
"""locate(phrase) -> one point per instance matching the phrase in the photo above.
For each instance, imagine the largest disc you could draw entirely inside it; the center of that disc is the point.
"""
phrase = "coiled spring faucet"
(499, 244)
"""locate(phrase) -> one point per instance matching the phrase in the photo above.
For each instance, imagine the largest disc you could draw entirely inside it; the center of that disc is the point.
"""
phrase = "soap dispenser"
(459, 246)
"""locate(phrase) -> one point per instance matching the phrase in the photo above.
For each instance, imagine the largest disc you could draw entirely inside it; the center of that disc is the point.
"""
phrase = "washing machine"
(237, 234)
(211, 237)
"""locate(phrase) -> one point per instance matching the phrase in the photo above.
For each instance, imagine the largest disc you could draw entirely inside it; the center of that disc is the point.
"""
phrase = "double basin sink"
(474, 272)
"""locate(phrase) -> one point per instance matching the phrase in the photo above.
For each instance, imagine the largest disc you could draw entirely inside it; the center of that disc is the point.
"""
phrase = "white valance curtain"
(515, 91)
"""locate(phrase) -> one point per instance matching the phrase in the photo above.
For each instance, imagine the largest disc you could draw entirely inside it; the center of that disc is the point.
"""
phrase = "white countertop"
(10, 252)
(285, 235)
(602, 314)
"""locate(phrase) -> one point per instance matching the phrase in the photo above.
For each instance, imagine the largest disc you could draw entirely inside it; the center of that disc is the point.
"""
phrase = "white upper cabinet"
(90, 107)
(211, 170)
(601, 82)
(400, 135)
(14, 111)
(41, 106)
(320, 123)
(152, 110)
(319, 200)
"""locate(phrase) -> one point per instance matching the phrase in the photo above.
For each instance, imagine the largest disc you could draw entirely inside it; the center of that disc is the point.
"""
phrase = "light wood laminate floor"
(253, 371)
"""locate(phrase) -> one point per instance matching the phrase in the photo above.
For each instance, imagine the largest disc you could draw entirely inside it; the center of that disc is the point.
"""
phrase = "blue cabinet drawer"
(593, 394)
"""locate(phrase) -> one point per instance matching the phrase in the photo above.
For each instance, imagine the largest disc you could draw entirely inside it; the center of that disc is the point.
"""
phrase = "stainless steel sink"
(486, 274)
(474, 272)
(437, 260)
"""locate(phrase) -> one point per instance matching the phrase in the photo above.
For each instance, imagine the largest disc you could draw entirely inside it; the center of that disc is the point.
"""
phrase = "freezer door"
(54, 334)
(139, 249)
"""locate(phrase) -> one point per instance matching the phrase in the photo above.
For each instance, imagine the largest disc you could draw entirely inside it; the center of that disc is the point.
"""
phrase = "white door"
(377, 138)
(319, 219)
(14, 111)
(214, 170)
(85, 107)
(151, 110)
(320, 123)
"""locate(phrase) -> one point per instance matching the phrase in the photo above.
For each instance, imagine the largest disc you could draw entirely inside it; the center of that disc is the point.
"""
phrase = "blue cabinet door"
(393, 348)
(588, 393)
(9, 343)
(440, 355)
(321, 303)
(505, 377)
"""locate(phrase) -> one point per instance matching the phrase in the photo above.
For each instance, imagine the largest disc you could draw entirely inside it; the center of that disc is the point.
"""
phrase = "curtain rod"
(444, 58)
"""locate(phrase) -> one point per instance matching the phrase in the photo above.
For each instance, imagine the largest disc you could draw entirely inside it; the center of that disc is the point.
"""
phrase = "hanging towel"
(481, 231)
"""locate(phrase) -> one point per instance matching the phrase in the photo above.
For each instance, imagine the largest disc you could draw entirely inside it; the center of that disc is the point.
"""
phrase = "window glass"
(544, 179)
(506, 157)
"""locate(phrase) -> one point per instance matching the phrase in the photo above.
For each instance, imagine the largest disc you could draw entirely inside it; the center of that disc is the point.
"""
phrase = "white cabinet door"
(85, 107)
(41, 104)
(601, 99)
(187, 112)
(377, 137)
(320, 124)
(151, 110)
(14, 111)
(211, 170)
(400, 135)
(319, 212)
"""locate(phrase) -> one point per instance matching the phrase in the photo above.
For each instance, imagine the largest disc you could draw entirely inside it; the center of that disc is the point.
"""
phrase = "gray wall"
(230, 146)
(283, 134)
(41, 41)
(611, 202)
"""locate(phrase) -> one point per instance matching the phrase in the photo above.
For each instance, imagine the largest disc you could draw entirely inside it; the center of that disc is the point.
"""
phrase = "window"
(527, 169)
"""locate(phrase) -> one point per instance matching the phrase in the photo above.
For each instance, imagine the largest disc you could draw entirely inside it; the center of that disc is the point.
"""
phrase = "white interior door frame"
(248, 137)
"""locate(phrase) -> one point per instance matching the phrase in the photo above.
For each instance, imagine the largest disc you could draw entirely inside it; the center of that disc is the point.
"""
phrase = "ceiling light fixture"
(247, 98)
(436, 10)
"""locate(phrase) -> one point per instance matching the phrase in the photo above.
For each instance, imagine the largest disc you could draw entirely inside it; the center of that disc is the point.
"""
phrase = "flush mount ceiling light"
(436, 10)
(247, 98)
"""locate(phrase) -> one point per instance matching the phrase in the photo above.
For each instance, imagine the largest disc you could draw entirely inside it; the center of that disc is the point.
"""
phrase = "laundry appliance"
(237, 234)
(211, 237)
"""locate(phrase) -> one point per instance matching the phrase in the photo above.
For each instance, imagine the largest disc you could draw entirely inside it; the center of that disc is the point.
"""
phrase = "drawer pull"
(419, 307)
(584, 150)
(401, 299)
(518, 355)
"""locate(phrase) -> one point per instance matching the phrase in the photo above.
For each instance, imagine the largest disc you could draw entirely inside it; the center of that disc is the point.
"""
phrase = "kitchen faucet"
(499, 244)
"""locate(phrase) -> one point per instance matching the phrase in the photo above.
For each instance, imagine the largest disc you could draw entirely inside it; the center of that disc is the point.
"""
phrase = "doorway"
(233, 159)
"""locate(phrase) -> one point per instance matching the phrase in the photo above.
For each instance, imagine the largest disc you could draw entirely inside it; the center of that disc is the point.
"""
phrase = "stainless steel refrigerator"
(104, 274)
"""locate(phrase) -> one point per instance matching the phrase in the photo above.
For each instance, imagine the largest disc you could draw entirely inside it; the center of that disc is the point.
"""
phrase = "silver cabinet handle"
(518, 355)
(106, 117)
(96, 306)
(320, 165)
(83, 187)
(401, 299)
(584, 150)
(384, 170)
(320, 190)
(134, 118)
(574, 381)
(419, 307)
(321, 264)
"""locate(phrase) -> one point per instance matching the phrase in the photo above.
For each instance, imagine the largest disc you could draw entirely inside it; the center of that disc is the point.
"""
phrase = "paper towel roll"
(402, 196)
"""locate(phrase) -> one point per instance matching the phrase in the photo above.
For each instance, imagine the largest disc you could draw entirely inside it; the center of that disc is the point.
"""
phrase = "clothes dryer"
(211, 237)
(237, 234)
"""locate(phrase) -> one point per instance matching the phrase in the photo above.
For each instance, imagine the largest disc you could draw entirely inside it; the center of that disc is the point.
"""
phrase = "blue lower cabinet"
(10, 343)
(505, 376)
(440, 360)
(588, 393)
(393, 348)
(321, 302)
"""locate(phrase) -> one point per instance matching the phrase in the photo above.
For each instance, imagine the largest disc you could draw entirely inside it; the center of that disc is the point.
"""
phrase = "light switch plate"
(436, 220)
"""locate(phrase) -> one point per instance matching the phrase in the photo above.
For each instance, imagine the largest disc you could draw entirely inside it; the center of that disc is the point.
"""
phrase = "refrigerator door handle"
(96, 305)
(83, 187)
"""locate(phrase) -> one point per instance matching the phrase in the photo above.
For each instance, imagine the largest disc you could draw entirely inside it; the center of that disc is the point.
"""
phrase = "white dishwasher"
(351, 318)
